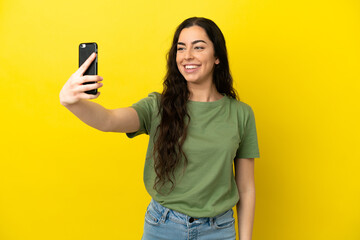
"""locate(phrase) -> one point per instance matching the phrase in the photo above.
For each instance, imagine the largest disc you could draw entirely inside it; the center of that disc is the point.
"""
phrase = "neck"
(204, 92)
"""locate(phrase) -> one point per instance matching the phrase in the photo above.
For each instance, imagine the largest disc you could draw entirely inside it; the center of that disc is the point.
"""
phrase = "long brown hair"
(175, 118)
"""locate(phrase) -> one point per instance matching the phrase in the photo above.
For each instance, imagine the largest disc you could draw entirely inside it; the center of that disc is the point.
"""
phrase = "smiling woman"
(198, 128)
(196, 56)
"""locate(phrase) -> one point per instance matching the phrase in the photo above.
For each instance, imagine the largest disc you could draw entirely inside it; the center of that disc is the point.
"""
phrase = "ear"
(217, 61)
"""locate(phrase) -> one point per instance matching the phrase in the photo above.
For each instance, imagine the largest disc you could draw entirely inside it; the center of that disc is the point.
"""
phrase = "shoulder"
(243, 111)
(151, 102)
(154, 95)
(155, 98)
(240, 106)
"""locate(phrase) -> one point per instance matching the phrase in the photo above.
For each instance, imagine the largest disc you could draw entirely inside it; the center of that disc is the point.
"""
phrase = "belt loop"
(163, 217)
(211, 221)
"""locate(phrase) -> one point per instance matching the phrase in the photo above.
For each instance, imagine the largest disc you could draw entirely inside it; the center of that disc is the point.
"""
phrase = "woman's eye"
(199, 47)
(180, 48)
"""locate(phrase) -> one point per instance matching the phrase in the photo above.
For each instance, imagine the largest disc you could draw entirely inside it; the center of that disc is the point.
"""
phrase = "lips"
(191, 67)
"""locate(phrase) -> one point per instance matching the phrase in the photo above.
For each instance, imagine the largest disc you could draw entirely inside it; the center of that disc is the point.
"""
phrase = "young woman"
(198, 128)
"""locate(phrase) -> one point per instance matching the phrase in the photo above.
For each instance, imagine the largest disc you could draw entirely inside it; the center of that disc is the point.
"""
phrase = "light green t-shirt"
(219, 132)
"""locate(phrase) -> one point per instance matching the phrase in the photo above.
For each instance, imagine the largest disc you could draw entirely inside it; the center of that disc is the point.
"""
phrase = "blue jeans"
(162, 223)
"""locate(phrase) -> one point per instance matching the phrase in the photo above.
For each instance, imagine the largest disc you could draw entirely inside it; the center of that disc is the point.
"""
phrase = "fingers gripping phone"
(85, 50)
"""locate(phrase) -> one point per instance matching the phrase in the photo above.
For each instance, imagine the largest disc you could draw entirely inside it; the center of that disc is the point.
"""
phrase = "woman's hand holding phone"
(74, 90)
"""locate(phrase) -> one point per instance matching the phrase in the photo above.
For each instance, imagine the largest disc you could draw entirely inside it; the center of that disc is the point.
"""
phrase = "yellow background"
(295, 62)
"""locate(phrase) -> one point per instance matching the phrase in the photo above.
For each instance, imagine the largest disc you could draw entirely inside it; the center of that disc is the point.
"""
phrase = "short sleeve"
(145, 109)
(248, 146)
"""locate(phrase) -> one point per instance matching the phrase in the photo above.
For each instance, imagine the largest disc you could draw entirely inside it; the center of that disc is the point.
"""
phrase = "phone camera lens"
(83, 45)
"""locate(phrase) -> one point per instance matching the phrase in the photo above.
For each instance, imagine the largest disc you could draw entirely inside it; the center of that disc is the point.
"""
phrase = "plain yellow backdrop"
(295, 62)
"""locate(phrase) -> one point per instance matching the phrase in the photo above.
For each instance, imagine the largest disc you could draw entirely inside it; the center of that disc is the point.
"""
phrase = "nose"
(188, 54)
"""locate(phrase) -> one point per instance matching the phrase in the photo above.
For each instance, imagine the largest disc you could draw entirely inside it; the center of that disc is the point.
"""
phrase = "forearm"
(245, 212)
(91, 113)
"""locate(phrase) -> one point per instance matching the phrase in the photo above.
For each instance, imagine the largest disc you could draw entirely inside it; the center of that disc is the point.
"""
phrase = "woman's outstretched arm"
(244, 176)
(74, 98)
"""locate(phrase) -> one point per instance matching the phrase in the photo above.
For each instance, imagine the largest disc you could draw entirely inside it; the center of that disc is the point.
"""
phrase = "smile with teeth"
(191, 66)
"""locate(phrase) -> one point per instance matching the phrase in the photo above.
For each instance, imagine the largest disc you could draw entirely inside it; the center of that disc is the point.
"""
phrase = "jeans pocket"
(225, 220)
(152, 216)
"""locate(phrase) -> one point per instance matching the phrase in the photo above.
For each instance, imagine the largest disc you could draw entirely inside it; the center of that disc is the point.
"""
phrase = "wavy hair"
(172, 130)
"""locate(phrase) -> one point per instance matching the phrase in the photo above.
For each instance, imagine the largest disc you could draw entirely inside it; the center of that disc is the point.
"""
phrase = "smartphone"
(85, 50)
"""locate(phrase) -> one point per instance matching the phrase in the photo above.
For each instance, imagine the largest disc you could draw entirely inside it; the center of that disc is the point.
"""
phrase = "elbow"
(247, 189)
(105, 128)
(107, 125)
(247, 192)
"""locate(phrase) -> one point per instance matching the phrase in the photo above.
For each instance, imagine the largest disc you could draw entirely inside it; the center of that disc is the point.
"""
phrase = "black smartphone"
(85, 50)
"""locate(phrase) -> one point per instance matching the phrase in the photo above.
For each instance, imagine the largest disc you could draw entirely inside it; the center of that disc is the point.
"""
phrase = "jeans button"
(191, 220)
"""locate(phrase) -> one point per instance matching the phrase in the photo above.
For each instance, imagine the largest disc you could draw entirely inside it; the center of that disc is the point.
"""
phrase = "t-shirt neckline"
(208, 104)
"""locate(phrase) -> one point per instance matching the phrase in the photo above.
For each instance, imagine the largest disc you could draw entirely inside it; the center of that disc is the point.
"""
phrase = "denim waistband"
(180, 217)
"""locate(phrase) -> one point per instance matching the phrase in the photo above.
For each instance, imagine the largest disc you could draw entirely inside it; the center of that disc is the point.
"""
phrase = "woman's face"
(195, 55)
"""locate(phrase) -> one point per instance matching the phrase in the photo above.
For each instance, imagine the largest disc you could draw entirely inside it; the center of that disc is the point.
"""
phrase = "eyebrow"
(194, 42)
